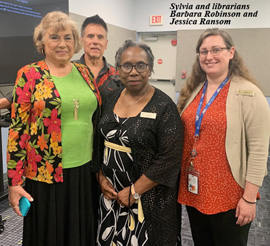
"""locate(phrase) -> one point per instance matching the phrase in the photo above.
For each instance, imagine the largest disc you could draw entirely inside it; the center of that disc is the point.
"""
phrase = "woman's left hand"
(245, 212)
(142, 185)
(124, 196)
(15, 193)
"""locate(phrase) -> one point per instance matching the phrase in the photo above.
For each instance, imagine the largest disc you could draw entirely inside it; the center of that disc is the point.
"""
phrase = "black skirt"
(63, 214)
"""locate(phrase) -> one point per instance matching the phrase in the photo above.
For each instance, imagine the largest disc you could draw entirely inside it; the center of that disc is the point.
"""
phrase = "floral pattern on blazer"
(34, 147)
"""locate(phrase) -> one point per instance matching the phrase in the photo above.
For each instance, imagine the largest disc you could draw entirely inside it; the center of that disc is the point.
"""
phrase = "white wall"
(117, 12)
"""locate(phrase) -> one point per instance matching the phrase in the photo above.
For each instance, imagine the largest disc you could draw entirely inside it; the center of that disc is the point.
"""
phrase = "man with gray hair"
(94, 39)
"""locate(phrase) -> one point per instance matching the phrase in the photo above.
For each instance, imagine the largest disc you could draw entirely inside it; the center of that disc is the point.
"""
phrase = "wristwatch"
(135, 195)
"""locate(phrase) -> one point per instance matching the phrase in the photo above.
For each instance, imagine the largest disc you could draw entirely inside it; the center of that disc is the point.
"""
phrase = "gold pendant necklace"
(76, 104)
(76, 101)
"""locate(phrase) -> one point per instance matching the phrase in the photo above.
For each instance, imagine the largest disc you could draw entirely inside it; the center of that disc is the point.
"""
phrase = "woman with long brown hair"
(226, 136)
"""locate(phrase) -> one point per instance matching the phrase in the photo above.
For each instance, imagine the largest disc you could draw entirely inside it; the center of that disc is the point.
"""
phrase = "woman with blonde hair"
(50, 144)
(226, 138)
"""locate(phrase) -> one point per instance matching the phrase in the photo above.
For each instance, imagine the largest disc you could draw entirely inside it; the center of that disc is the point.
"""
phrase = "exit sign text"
(156, 20)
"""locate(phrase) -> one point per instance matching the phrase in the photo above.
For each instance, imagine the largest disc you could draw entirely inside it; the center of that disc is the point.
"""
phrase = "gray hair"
(130, 43)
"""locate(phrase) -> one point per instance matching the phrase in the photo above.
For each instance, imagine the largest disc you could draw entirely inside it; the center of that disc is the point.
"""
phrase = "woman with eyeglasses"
(141, 131)
(226, 136)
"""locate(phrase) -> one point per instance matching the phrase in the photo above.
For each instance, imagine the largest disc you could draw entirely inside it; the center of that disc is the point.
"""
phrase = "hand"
(123, 197)
(15, 193)
(245, 212)
(107, 188)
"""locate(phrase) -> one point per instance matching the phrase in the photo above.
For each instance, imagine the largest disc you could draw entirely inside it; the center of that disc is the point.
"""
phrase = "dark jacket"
(156, 146)
(107, 79)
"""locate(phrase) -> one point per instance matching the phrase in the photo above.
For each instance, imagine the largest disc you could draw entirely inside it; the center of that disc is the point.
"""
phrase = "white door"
(164, 50)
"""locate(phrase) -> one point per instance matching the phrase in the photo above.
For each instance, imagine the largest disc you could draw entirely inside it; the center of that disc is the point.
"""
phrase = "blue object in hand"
(24, 206)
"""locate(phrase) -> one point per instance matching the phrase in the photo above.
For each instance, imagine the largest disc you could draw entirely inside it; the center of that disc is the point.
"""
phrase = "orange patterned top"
(218, 191)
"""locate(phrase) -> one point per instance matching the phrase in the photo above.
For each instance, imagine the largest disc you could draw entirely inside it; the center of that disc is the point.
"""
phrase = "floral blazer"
(34, 147)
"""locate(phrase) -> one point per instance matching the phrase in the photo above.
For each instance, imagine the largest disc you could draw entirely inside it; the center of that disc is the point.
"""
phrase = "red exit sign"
(156, 20)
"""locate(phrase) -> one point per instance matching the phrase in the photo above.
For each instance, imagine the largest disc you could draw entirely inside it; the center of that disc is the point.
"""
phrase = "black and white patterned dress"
(119, 225)
(155, 136)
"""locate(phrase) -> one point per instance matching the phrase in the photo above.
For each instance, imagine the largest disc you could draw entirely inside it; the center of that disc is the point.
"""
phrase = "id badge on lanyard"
(193, 179)
(193, 174)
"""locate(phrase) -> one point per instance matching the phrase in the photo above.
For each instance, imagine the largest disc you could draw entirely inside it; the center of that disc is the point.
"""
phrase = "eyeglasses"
(140, 67)
(214, 51)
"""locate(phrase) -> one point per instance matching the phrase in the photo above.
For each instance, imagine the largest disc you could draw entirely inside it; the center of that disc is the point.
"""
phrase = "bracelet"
(248, 201)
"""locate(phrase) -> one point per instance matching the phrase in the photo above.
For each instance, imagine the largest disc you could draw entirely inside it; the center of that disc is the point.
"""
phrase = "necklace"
(128, 105)
(76, 102)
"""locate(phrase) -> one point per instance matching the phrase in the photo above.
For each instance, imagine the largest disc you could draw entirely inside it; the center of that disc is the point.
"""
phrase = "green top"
(77, 135)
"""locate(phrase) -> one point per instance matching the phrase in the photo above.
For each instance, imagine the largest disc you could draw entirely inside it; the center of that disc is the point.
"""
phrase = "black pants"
(217, 230)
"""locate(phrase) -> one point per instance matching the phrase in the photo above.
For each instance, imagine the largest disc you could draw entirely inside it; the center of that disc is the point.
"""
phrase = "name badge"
(193, 179)
(193, 183)
(245, 93)
(148, 115)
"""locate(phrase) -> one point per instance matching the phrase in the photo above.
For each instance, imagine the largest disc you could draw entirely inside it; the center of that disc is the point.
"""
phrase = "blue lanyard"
(199, 114)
